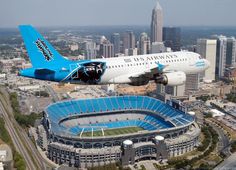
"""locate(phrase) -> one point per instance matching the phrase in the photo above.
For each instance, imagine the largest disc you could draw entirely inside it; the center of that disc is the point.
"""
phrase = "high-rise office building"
(144, 44)
(90, 49)
(172, 38)
(220, 55)
(231, 52)
(128, 41)
(176, 91)
(107, 50)
(225, 54)
(158, 47)
(115, 40)
(207, 49)
(132, 51)
(156, 24)
(192, 82)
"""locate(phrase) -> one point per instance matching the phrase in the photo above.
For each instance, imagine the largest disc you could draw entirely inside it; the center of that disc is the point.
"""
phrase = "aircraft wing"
(149, 72)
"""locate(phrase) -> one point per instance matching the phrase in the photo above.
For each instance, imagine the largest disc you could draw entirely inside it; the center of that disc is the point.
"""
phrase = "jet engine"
(173, 78)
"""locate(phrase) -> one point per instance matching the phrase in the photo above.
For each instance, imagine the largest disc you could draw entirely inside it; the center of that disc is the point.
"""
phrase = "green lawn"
(111, 132)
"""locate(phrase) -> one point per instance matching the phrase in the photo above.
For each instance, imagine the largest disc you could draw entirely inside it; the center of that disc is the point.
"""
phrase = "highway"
(20, 138)
(16, 139)
(33, 149)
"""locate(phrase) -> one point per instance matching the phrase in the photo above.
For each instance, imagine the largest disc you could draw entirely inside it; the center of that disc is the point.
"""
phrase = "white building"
(144, 44)
(221, 55)
(158, 47)
(176, 91)
(74, 47)
(133, 51)
(90, 49)
(192, 82)
(207, 49)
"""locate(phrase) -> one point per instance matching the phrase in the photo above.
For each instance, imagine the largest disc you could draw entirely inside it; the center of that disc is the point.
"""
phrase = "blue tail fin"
(40, 51)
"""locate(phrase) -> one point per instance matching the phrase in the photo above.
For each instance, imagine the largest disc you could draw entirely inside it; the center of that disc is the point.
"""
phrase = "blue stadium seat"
(61, 110)
(102, 105)
(120, 103)
(82, 106)
(133, 101)
(108, 103)
(95, 105)
(89, 106)
(76, 106)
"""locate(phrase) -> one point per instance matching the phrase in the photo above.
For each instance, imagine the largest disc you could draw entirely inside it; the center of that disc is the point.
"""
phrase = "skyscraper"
(207, 49)
(128, 41)
(115, 40)
(225, 54)
(231, 52)
(107, 50)
(90, 49)
(220, 56)
(172, 38)
(157, 24)
(157, 47)
(144, 44)
(192, 82)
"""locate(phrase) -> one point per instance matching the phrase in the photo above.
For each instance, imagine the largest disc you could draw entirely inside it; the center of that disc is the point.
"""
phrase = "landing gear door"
(73, 70)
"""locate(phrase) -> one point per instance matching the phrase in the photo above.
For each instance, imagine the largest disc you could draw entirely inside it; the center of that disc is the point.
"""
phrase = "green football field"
(111, 132)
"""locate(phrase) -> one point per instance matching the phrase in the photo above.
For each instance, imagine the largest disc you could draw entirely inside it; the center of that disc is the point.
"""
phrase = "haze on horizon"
(114, 12)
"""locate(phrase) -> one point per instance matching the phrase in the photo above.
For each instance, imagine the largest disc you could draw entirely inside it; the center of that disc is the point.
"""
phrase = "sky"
(116, 12)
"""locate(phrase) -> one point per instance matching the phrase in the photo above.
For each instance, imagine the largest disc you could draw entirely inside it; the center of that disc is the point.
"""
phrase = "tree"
(233, 147)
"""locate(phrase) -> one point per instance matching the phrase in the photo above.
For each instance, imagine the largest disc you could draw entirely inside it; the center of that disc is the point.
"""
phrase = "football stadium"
(93, 132)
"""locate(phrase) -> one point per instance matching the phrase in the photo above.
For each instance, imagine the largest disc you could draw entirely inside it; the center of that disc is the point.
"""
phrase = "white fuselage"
(119, 69)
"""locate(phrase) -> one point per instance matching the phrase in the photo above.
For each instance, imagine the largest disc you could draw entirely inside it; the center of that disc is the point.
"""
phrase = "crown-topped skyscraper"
(157, 23)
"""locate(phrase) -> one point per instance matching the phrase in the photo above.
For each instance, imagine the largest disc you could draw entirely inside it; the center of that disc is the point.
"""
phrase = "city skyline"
(75, 13)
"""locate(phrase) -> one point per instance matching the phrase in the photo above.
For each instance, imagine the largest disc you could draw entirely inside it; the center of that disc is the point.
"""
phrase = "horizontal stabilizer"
(44, 71)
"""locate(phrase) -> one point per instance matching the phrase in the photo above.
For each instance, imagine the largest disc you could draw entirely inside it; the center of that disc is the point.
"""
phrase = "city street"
(228, 164)
(223, 140)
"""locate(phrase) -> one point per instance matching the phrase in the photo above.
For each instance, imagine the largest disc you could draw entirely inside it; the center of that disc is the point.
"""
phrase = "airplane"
(163, 68)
